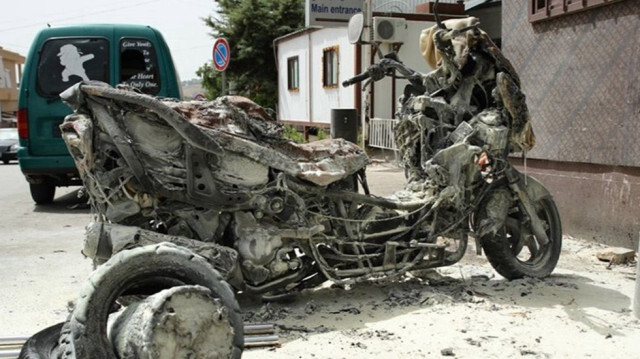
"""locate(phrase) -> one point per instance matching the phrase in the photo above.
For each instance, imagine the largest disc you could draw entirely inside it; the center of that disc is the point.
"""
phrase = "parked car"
(60, 57)
(9, 144)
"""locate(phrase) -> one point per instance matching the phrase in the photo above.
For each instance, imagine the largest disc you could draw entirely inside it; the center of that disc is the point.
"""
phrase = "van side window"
(66, 61)
(139, 65)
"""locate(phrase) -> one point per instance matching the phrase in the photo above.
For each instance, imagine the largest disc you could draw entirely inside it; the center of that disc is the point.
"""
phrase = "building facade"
(313, 63)
(10, 73)
(579, 66)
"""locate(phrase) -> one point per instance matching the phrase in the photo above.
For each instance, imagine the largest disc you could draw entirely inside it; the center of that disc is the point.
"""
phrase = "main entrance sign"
(331, 12)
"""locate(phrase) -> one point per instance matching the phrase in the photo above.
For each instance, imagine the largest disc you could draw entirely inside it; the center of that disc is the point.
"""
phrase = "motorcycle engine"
(266, 251)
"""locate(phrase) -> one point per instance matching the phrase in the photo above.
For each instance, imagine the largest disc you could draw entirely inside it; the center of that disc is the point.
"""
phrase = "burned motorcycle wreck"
(209, 193)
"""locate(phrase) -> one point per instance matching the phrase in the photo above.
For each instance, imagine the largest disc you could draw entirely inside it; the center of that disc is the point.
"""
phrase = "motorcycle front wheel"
(515, 252)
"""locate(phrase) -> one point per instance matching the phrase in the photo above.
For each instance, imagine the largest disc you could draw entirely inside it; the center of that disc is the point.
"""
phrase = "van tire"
(42, 193)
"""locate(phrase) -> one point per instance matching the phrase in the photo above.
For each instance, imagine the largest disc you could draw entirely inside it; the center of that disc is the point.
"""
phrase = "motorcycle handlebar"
(358, 78)
(381, 69)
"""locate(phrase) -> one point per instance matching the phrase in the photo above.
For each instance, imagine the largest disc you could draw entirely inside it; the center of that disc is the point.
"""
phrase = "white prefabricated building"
(309, 87)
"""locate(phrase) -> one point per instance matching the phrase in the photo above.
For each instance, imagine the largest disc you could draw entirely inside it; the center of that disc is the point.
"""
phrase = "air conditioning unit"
(389, 29)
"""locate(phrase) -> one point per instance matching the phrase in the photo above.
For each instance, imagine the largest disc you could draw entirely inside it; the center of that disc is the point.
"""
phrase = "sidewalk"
(385, 178)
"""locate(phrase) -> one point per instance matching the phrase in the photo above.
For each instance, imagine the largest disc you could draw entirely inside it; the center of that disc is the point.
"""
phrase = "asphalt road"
(41, 267)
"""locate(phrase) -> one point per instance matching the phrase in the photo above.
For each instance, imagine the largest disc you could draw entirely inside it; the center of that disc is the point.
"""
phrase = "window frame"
(293, 73)
(331, 67)
(539, 10)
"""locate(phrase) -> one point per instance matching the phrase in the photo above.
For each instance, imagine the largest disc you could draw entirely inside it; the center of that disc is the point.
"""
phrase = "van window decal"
(72, 60)
(65, 61)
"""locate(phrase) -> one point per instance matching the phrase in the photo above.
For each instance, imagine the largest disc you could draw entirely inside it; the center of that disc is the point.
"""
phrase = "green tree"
(250, 26)
(211, 81)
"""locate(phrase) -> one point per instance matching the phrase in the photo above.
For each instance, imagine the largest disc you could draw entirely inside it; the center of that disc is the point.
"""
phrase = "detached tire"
(43, 344)
(42, 193)
(88, 322)
(515, 252)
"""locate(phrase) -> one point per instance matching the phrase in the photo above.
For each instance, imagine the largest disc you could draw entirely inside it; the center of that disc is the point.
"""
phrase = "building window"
(293, 73)
(330, 67)
(545, 9)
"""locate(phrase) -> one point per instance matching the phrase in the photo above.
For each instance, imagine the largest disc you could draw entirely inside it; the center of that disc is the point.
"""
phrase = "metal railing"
(381, 133)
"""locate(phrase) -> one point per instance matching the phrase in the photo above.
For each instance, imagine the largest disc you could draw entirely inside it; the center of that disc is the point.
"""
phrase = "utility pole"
(368, 23)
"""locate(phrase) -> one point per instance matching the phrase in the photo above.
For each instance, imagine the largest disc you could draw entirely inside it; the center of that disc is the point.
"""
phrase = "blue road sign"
(221, 54)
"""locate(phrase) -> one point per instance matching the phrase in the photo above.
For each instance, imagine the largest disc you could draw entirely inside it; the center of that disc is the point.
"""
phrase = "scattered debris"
(359, 345)
(269, 312)
(350, 310)
(310, 307)
(617, 256)
(474, 342)
(527, 352)
(10, 347)
(402, 296)
(260, 335)
(447, 352)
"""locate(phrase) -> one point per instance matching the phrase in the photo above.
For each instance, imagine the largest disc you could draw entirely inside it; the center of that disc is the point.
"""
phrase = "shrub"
(290, 132)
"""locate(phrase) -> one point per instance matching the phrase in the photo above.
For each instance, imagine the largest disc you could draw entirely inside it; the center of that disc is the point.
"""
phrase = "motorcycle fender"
(496, 207)
(535, 190)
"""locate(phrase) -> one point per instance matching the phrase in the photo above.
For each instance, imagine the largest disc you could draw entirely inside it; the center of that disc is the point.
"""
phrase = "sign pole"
(224, 83)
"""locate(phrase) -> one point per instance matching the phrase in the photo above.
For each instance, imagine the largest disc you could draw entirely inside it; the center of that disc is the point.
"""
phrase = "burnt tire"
(514, 252)
(88, 322)
(42, 193)
(43, 344)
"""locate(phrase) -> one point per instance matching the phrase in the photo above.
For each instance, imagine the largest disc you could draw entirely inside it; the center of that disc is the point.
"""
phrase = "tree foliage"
(250, 26)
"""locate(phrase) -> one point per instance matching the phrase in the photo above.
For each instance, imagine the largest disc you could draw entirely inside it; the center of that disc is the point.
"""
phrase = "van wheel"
(42, 193)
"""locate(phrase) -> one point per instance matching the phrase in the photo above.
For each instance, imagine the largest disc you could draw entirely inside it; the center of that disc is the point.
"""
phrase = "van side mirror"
(355, 29)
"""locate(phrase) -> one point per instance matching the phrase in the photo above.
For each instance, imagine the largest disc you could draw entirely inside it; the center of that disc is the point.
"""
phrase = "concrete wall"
(596, 202)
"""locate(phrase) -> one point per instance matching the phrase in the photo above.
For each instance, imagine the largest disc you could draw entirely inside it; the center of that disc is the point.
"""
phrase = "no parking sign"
(221, 54)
